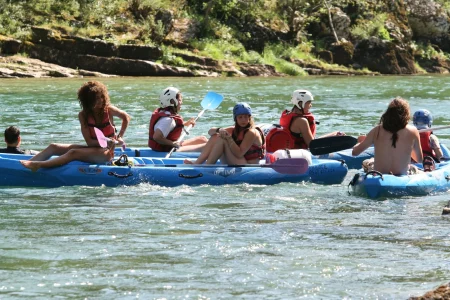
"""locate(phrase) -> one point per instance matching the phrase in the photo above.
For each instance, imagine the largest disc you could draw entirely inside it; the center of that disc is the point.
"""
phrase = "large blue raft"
(376, 185)
(159, 171)
(353, 162)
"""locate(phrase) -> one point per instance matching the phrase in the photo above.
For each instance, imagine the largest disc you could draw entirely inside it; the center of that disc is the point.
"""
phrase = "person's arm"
(191, 121)
(116, 112)
(162, 129)
(366, 143)
(158, 136)
(434, 142)
(86, 132)
(239, 151)
(301, 125)
(216, 130)
(417, 148)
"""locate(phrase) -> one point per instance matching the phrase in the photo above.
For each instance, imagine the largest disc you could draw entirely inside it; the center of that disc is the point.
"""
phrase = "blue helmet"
(241, 108)
(422, 119)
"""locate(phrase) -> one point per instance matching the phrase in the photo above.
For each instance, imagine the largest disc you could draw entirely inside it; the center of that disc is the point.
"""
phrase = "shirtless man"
(393, 139)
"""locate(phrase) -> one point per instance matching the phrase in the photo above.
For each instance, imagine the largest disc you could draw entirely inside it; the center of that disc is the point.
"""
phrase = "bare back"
(387, 158)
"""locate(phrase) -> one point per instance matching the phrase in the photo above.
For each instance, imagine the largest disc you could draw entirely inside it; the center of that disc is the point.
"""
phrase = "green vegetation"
(375, 27)
(224, 28)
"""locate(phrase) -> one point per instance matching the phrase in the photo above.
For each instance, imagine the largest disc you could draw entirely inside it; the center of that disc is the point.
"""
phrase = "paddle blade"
(102, 140)
(289, 166)
(331, 144)
(212, 100)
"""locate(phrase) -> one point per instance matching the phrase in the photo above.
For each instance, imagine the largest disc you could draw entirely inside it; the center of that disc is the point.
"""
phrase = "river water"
(286, 241)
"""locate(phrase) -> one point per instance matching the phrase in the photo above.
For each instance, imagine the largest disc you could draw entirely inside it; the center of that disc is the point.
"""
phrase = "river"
(286, 241)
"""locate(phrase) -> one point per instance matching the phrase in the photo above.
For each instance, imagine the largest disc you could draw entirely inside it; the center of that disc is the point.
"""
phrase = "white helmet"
(167, 95)
(301, 95)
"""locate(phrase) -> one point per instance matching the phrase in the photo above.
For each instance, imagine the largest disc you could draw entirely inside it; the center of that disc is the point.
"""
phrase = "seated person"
(166, 125)
(242, 143)
(297, 126)
(393, 140)
(423, 119)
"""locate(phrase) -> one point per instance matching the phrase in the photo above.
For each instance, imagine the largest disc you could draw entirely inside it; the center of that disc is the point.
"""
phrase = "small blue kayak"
(355, 162)
(165, 172)
(376, 185)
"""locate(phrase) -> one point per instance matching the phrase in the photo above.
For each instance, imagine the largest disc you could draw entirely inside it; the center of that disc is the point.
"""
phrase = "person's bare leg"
(205, 152)
(194, 144)
(92, 155)
(216, 152)
(229, 158)
(54, 149)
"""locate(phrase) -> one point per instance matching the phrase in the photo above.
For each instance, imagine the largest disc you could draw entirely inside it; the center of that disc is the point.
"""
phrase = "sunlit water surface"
(279, 242)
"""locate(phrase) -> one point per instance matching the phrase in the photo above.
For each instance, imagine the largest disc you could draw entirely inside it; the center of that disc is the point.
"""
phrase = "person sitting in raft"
(166, 125)
(429, 142)
(242, 143)
(394, 141)
(298, 126)
(13, 140)
(96, 111)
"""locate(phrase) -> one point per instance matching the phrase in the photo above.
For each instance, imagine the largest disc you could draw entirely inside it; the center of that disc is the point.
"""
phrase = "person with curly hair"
(394, 140)
(96, 111)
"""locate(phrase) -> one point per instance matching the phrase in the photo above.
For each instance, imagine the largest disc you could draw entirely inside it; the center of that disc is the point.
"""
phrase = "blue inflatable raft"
(353, 162)
(164, 172)
(376, 185)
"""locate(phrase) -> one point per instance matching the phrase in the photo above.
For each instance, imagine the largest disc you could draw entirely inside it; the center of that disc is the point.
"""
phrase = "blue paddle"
(212, 100)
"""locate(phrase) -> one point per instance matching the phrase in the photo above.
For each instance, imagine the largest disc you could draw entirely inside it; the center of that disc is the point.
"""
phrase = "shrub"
(374, 27)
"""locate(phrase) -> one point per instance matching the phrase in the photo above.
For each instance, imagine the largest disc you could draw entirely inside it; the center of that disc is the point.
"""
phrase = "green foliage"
(371, 28)
(427, 51)
(218, 49)
(272, 54)
(252, 57)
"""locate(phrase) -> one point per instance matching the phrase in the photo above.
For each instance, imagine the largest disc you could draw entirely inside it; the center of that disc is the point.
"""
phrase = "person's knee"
(203, 139)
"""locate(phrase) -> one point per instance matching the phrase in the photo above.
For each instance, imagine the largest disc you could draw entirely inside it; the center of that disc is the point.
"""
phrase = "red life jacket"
(296, 141)
(106, 126)
(255, 151)
(279, 138)
(426, 145)
(173, 135)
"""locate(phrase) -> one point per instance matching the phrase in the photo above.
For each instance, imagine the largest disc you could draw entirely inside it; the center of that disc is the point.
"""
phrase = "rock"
(441, 293)
(342, 53)
(78, 45)
(326, 56)
(182, 32)
(258, 70)
(9, 46)
(384, 57)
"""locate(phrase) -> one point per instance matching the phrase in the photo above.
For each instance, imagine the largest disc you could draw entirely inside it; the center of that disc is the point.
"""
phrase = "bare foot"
(188, 162)
(32, 165)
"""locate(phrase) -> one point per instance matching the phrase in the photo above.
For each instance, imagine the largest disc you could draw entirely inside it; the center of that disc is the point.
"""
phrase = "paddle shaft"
(185, 131)
(433, 129)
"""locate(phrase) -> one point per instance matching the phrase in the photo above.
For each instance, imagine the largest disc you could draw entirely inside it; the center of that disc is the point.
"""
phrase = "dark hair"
(396, 117)
(89, 93)
(12, 134)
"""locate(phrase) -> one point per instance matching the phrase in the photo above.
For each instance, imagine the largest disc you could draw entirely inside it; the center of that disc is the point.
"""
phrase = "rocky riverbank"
(52, 54)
